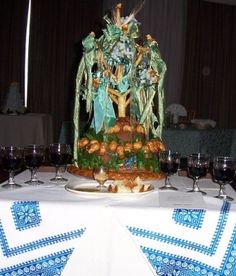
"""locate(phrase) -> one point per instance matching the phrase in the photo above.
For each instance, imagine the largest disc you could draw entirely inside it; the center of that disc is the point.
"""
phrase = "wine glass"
(101, 176)
(198, 165)
(34, 157)
(169, 164)
(60, 156)
(223, 173)
(12, 161)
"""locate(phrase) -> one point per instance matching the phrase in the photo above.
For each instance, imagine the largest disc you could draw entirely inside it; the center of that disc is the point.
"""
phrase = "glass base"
(10, 186)
(168, 188)
(34, 182)
(197, 191)
(101, 188)
(224, 197)
(58, 179)
(196, 188)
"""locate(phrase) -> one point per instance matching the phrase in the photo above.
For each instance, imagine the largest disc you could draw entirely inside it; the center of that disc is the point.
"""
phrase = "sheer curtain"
(13, 20)
(165, 21)
(57, 27)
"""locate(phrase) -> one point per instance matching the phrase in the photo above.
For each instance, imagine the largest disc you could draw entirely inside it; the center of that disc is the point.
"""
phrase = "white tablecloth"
(46, 230)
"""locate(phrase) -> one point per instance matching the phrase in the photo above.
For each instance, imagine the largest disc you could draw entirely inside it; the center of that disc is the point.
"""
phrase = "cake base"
(118, 175)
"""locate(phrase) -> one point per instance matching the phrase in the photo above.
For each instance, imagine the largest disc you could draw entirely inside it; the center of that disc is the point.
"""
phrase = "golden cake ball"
(112, 146)
(94, 141)
(83, 142)
(128, 147)
(162, 147)
(137, 145)
(146, 149)
(102, 149)
(127, 128)
(151, 146)
(120, 151)
(155, 145)
(114, 129)
(140, 129)
(94, 147)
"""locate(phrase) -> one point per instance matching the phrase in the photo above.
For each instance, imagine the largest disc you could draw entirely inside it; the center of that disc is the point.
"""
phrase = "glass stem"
(222, 190)
(167, 181)
(33, 175)
(11, 180)
(195, 185)
(58, 172)
(102, 186)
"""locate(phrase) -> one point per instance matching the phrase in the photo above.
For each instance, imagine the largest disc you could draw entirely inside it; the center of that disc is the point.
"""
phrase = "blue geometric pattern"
(170, 265)
(191, 218)
(26, 214)
(208, 250)
(8, 252)
(51, 265)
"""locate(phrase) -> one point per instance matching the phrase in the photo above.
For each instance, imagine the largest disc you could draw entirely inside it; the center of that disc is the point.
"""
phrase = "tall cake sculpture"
(121, 83)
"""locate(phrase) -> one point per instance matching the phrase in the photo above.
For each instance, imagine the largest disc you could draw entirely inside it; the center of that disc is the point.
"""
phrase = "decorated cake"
(120, 81)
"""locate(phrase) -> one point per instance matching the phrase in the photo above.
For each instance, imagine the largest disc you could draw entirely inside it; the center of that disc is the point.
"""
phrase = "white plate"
(87, 189)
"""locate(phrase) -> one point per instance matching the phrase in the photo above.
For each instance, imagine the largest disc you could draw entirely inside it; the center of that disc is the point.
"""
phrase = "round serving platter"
(86, 189)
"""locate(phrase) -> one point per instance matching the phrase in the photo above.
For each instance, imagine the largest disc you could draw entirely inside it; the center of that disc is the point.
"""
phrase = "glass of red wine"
(198, 165)
(60, 157)
(169, 165)
(223, 173)
(34, 157)
(12, 161)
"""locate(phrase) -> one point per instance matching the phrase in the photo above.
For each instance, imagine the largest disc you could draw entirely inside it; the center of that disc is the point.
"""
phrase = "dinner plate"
(86, 189)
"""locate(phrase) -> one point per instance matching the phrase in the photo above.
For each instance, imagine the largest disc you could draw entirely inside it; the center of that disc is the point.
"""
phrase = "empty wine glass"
(223, 173)
(169, 164)
(101, 176)
(12, 161)
(198, 165)
(34, 156)
(60, 156)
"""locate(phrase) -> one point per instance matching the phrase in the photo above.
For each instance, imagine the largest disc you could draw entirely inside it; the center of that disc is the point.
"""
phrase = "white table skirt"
(46, 229)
